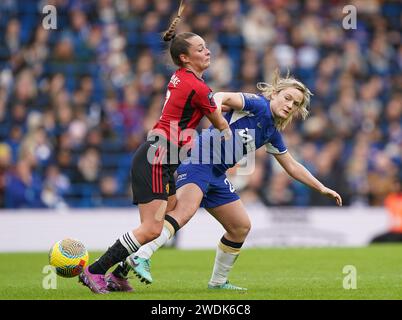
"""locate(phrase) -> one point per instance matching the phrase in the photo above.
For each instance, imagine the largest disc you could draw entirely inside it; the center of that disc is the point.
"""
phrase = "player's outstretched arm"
(229, 100)
(300, 173)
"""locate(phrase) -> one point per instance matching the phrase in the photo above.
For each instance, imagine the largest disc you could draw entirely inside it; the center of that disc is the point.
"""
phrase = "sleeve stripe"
(244, 101)
(269, 148)
(279, 152)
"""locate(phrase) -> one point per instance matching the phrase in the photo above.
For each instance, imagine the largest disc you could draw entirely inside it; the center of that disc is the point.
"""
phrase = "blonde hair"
(278, 84)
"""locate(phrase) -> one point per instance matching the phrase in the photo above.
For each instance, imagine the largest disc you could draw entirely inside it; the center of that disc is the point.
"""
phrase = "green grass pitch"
(286, 273)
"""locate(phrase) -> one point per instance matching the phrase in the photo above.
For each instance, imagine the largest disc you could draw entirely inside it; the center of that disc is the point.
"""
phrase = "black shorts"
(152, 175)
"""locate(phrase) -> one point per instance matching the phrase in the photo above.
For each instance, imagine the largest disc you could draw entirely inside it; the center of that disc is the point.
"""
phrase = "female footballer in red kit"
(188, 99)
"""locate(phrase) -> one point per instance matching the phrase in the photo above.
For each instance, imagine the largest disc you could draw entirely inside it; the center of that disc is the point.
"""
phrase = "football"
(69, 257)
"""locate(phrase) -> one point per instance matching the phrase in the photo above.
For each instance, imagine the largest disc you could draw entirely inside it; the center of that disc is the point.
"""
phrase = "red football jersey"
(187, 100)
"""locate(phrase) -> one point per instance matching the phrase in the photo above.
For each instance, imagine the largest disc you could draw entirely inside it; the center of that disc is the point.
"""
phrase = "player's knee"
(153, 232)
(152, 236)
(245, 229)
(241, 231)
(183, 213)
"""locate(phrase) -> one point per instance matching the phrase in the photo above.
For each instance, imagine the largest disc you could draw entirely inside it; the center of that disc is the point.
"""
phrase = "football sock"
(121, 270)
(171, 222)
(146, 251)
(226, 255)
(122, 248)
(169, 229)
(129, 241)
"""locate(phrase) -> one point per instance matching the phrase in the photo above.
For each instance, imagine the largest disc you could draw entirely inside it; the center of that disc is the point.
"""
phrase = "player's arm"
(220, 123)
(300, 173)
(217, 120)
(204, 101)
(229, 100)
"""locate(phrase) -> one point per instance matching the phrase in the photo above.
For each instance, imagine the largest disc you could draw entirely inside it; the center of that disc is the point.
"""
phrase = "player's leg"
(140, 259)
(192, 182)
(152, 221)
(151, 215)
(236, 222)
(123, 268)
(170, 226)
(146, 177)
(189, 198)
(234, 218)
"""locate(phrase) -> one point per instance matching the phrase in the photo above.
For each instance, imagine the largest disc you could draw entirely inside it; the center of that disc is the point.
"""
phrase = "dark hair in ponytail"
(179, 44)
(170, 33)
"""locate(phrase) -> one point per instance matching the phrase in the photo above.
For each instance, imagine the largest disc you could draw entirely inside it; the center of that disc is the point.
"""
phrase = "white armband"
(269, 148)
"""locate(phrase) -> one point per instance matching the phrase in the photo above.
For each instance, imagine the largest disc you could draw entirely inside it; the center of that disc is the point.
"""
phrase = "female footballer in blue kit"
(255, 121)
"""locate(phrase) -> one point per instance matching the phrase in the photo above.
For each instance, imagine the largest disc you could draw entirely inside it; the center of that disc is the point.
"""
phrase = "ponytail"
(178, 44)
(170, 33)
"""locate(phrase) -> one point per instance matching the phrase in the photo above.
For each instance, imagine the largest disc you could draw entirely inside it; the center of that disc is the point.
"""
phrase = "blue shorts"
(215, 185)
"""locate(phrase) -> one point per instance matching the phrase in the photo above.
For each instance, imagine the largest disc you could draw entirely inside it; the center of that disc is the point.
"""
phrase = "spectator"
(99, 82)
(5, 162)
(393, 203)
(55, 186)
(23, 187)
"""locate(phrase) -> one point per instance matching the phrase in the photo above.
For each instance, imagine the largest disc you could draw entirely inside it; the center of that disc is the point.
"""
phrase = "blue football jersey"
(252, 128)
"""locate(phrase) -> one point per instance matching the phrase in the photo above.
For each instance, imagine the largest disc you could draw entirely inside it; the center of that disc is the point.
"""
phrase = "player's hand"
(226, 134)
(225, 108)
(332, 194)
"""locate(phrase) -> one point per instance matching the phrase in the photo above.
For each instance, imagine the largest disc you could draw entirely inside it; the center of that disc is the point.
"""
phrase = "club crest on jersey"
(250, 95)
(211, 98)
(174, 80)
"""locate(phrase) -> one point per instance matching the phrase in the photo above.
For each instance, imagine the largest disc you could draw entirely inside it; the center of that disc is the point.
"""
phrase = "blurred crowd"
(76, 102)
